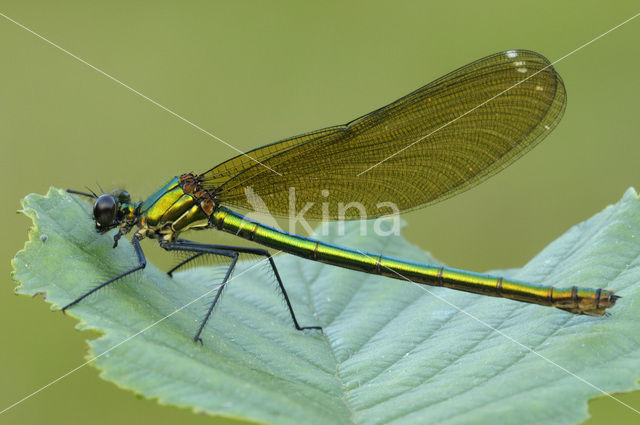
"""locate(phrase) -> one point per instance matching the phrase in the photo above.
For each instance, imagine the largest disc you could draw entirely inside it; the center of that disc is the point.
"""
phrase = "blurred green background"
(255, 72)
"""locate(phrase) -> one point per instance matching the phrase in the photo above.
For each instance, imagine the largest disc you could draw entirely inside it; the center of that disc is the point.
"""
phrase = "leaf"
(390, 353)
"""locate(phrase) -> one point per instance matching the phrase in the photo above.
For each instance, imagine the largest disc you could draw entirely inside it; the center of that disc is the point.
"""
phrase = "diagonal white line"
(129, 338)
(501, 93)
(114, 79)
(482, 322)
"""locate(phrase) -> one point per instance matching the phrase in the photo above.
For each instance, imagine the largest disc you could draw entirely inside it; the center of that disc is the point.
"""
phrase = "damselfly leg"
(200, 249)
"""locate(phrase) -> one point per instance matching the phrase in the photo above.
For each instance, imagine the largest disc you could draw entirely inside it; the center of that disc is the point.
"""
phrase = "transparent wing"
(436, 142)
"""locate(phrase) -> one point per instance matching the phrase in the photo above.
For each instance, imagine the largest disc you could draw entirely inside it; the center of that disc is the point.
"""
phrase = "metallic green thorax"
(170, 211)
(182, 204)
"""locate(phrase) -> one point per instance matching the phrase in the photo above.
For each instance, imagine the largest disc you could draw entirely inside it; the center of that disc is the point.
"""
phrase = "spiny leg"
(203, 249)
(246, 250)
(142, 262)
(185, 262)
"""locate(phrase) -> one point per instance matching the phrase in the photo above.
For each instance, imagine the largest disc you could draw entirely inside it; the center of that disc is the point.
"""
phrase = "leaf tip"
(630, 194)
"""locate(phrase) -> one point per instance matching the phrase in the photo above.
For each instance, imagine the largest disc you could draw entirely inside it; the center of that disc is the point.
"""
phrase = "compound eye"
(122, 196)
(104, 211)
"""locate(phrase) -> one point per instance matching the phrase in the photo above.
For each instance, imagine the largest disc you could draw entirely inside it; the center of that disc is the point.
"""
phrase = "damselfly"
(434, 143)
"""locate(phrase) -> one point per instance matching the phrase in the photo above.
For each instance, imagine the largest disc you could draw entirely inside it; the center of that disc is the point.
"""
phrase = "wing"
(436, 142)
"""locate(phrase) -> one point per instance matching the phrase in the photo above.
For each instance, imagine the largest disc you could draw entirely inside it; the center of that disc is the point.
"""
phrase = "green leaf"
(390, 353)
